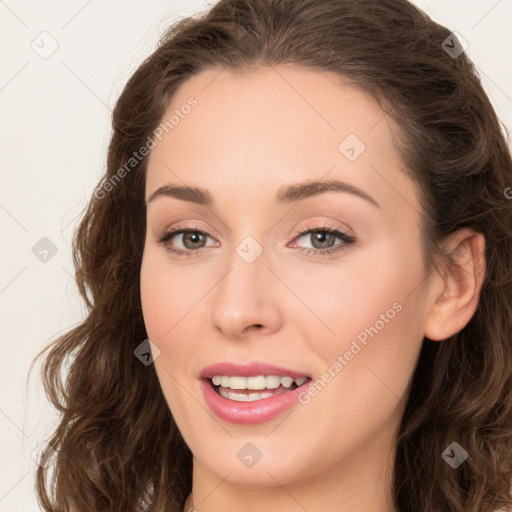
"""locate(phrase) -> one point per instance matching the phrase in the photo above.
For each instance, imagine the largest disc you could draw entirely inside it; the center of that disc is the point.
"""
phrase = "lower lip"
(249, 413)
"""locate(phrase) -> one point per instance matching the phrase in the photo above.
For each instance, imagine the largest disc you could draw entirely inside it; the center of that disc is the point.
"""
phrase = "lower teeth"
(250, 397)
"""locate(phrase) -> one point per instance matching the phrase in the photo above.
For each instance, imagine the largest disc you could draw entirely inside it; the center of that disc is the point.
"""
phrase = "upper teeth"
(258, 382)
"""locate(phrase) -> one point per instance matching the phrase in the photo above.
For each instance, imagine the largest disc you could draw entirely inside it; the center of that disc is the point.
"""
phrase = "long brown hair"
(117, 447)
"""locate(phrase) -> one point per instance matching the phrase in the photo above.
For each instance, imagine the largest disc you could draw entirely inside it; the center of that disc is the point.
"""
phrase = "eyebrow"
(285, 194)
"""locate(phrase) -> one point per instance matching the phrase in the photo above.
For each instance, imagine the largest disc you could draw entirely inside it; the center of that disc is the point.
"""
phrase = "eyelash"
(325, 228)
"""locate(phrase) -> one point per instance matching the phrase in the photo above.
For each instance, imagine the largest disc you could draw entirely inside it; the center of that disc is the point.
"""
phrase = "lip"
(249, 413)
(249, 370)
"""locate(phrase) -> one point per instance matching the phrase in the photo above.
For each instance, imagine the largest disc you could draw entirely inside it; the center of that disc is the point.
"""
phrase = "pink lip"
(250, 413)
(248, 370)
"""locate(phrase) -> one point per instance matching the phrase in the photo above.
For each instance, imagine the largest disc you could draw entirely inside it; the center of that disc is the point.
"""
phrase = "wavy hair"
(117, 447)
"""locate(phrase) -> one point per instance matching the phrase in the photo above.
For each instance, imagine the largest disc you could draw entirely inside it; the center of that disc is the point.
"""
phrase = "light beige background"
(54, 131)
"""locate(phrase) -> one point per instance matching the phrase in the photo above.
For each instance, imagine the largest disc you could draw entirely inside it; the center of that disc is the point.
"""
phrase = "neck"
(359, 483)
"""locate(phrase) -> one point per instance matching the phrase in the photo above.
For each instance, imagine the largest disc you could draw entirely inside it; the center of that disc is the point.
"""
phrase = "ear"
(455, 288)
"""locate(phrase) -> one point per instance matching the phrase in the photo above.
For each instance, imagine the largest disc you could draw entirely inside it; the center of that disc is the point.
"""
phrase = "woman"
(298, 275)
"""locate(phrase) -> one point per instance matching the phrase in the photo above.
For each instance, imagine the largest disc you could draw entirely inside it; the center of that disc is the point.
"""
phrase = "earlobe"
(455, 289)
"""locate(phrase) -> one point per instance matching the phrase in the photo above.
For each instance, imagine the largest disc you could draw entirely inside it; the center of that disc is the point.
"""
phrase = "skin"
(248, 136)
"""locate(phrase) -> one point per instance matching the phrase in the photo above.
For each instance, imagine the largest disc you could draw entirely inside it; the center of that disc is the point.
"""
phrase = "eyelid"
(184, 226)
(338, 232)
(175, 229)
(322, 225)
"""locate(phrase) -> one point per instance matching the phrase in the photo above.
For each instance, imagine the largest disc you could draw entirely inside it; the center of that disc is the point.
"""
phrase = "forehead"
(272, 125)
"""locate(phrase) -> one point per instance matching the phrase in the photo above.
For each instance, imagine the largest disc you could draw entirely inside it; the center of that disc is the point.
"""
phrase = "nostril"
(254, 326)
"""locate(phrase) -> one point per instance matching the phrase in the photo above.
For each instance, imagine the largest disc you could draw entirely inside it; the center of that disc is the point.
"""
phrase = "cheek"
(373, 309)
(165, 304)
(173, 311)
(154, 300)
(366, 292)
(166, 294)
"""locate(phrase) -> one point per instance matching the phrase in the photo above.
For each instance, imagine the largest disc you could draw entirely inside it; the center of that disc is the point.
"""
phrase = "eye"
(322, 239)
(193, 239)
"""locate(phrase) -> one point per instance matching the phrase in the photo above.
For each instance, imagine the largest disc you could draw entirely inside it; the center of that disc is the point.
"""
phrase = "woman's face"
(325, 282)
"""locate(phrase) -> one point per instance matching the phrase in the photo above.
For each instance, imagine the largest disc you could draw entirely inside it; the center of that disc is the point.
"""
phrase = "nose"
(246, 299)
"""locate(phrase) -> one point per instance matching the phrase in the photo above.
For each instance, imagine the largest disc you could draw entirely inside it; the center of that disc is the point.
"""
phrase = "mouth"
(253, 388)
(253, 392)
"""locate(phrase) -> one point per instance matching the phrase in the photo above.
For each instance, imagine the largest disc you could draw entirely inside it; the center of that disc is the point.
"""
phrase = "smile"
(247, 406)
(250, 389)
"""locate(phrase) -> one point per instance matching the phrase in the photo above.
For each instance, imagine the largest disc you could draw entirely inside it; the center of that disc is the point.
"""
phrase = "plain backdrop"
(54, 132)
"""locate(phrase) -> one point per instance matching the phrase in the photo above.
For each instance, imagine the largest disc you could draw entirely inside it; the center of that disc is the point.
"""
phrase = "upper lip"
(248, 370)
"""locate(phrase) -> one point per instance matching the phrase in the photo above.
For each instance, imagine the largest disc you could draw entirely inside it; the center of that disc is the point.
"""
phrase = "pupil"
(319, 236)
(194, 236)
(322, 235)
